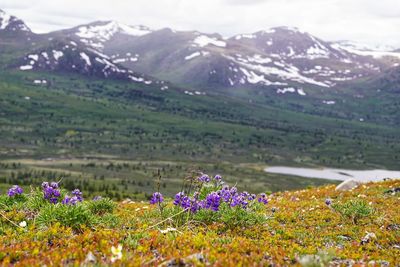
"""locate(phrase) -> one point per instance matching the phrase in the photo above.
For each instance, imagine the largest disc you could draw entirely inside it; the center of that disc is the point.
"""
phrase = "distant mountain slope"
(12, 25)
(56, 52)
(283, 58)
(280, 60)
(71, 57)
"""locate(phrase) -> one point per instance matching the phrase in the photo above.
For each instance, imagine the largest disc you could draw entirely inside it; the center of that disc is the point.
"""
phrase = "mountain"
(278, 61)
(12, 25)
(286, 59)
(103, 33)
(59, 53)
(388, 81)
(387, 55)
(70, 57)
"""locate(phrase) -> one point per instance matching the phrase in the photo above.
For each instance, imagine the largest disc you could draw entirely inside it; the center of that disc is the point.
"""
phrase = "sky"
(375, 22)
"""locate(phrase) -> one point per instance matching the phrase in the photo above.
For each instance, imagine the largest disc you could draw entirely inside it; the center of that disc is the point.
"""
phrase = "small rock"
(90, 258)
(344, 237)
(393, 227)
(347, 185)
(367, 238)
(393, 191)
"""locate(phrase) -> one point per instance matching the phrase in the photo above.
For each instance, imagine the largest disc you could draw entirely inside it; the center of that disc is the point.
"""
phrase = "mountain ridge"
(281, 59)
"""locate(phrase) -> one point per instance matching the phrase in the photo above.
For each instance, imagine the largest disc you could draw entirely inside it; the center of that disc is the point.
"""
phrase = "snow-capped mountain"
(70, 57)
(11, 24)
(98, 34)
(378, 51)
(282, 59)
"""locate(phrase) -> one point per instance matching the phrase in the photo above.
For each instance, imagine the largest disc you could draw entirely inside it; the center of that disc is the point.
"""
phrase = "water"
(335, 174)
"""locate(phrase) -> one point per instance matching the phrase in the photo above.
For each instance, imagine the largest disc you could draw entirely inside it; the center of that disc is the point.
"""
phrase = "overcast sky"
(367, 21)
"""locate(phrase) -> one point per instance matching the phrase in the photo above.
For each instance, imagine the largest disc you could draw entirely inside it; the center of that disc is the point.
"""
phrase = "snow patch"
(57, 54)
(26, 67)
(246, 36)
(40, 82)
(195, 54)
(34, 57)
(286, 90)
(204, 40)
(105, 32)
(86, 58)
(301, 92)
(5, 20)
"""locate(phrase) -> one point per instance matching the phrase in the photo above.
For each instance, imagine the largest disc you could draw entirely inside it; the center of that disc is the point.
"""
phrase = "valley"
(105, 105)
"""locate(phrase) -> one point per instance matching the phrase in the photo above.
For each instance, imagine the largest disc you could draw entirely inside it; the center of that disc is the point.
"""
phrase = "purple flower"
(262, 198)
(213, 201)
(218, 178)
(51, 192)
(45, 184)
(196, 205)
(156, 198)
(178, 198)
(328, 201)
(78, 194)
(70, 200)
(239, 200)
(15, 190)
(96, 198)
(251, 197)
(204, 178)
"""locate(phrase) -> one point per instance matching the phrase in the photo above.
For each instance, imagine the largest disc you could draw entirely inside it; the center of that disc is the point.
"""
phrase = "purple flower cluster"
(213, 200)
(204, 178)
(156, 198)
(262, 198)
(51, 191)
(76, 197)
(14, 191)
(192, 204)
(218, 178)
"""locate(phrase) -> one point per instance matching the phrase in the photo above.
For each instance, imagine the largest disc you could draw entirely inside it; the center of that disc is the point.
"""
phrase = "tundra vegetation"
(208, 222)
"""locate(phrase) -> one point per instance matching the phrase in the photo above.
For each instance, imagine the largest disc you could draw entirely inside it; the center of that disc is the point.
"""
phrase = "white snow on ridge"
(33, 57)
(26, 67)
(40, 82)
(254, 78)
(196, 54)
(317, 52)
(301, 92)
(105, 32)
(286, 90)
(5, 20)
(289, 72)
(204, 40)
(246, 36)
(329, 102)
(57, 54)
(360, 51)
(86, 58)
(122, 60)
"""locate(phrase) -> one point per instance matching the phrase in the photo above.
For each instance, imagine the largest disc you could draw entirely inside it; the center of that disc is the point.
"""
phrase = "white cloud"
(371, 21)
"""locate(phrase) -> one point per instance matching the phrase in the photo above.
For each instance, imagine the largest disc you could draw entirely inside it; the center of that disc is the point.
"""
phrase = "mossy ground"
(302, 224)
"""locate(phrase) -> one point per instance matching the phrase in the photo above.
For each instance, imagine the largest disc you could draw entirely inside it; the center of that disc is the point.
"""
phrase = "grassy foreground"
(312, 227)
